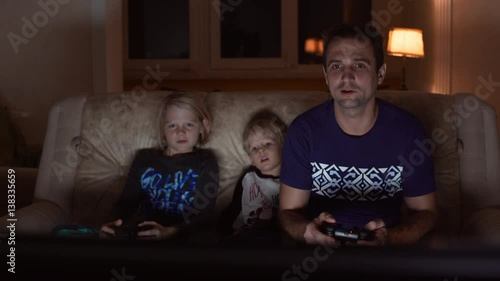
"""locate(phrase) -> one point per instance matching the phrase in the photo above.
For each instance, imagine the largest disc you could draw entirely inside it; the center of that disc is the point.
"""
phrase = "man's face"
(351, 73)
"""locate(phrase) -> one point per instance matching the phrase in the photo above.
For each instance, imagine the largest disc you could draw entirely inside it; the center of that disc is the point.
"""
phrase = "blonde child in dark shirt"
(166, 184)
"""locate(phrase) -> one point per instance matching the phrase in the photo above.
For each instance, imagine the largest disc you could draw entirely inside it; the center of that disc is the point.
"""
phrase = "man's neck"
(357, 121)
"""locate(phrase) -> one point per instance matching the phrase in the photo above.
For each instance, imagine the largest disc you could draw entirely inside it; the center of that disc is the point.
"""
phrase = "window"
(241, 36)
(232, 38)
(158, 29)
(162, 32)
(317, 16)
(249, 34)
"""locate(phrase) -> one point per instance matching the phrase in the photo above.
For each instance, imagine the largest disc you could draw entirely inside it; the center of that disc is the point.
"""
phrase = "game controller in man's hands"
(346, 234)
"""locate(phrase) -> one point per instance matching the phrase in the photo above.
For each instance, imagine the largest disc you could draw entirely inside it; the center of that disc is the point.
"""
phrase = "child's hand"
(107, 230)
(155, 231)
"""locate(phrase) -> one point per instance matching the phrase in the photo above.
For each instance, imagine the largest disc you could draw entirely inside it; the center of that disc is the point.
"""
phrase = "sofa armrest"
(483, 225)
(480, 158)
(38, 218)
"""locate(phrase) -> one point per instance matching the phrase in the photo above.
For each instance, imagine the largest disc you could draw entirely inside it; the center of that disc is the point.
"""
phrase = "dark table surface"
(54, 258)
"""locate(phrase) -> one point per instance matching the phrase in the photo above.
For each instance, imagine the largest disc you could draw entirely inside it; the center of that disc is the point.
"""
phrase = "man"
(342, 160)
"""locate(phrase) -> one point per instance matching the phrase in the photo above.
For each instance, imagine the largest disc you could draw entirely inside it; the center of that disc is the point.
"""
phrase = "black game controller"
(129, 231)
(129, 228)
(346, 234)
(125, 232)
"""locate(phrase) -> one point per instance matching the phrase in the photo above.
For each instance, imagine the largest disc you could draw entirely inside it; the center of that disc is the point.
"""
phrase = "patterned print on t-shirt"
(172, 193)
(356, 184)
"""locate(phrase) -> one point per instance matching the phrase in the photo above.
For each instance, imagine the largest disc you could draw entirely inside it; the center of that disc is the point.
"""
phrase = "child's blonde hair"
(188, 101)
(268, 123)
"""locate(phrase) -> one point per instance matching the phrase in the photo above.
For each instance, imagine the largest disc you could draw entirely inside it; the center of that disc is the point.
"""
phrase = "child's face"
(182, 130)
(264, 153)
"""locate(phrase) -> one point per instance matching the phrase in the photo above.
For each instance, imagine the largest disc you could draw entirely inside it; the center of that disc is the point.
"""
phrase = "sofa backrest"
(114, 126)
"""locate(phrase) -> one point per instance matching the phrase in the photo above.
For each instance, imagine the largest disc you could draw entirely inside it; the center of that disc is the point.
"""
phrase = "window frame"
(204, 60)
(134, 68)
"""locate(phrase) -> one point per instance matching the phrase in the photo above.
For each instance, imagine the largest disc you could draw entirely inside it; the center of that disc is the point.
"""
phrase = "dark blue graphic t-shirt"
(169, 190)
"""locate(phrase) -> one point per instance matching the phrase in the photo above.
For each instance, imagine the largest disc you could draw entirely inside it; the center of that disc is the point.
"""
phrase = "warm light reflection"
(314, 46)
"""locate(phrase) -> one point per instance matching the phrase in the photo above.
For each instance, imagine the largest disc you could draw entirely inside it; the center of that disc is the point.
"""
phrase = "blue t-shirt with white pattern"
(358, 178)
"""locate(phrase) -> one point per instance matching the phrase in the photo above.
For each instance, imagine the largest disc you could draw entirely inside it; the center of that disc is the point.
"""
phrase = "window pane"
(158, 29)
(251, 29)
(317, 15)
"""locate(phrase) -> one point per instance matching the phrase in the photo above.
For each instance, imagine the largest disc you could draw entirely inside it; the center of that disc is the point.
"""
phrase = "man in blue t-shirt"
(346, 161)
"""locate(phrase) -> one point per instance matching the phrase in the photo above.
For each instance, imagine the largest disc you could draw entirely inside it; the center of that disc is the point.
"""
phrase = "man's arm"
(422, 219)
(293, 202)
(291, 216)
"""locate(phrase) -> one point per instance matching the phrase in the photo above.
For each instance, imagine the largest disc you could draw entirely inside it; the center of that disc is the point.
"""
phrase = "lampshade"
(405, 42)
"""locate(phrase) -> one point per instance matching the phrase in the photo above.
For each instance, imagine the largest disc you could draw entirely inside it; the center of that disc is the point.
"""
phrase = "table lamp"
(405, 42)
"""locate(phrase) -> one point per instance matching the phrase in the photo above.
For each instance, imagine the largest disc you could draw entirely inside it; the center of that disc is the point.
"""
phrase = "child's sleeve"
(207, 190)
(231, 212)
(131, 195)
(209, 180)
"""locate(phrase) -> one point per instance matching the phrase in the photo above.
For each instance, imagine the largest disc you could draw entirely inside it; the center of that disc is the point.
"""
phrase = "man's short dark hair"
(365, 33)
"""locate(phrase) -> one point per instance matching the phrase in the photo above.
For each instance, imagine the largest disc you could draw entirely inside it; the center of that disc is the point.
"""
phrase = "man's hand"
(313, 234)
(377, 226)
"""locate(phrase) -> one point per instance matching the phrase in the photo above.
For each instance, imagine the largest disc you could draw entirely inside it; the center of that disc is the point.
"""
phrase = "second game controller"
(346, 234)
(129, 228)
(125, 232)
(129, 231)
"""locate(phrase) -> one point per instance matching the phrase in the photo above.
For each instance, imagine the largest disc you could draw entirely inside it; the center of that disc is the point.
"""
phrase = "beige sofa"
(91, 140)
